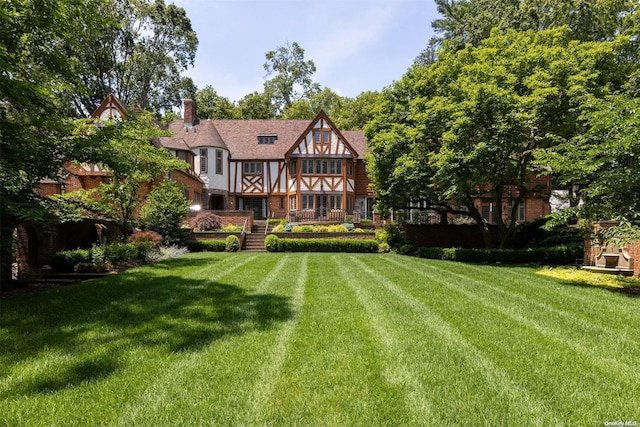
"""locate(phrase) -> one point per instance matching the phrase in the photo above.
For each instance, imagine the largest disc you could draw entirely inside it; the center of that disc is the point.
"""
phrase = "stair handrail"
(244, 227)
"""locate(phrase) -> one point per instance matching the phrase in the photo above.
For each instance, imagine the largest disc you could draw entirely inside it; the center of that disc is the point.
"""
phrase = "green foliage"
(557, 255)
(289, 70)
(164, 210)
(206, 245)
(126, 151)
(536, 234)
(271, 243)
(138, 51)
(476, 117)
(327, 245)
(66, 261)
(230, 228)
(304, 228)
(257, 106)
(232, 243)
(469, 22)
(214, 106)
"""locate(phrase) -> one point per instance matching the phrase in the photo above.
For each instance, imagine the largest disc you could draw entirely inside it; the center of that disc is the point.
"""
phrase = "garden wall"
(447, 236)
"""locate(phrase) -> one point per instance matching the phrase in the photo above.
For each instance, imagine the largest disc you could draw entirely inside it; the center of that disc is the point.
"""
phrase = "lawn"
(320, 340)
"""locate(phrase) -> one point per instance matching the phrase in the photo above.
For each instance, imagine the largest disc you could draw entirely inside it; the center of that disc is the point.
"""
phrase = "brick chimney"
(189, 113)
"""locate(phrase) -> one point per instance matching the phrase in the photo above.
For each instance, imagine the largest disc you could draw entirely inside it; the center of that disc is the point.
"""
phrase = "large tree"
(137, 52)
(211, 105)
(291, 75)
(469, 124)
(34, 69)
(124, 148)
(470, 21)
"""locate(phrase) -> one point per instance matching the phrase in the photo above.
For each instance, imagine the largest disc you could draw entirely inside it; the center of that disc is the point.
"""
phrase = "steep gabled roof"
(110, 102)
(322, 117)
(241, 137)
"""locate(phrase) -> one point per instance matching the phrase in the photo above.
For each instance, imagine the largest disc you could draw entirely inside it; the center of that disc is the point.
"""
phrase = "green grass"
(320, 340)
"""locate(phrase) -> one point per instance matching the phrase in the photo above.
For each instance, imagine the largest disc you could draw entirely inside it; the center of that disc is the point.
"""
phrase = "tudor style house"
(293, 169)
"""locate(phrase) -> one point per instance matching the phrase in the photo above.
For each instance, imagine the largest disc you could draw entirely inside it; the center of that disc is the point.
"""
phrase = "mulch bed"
(26, 288)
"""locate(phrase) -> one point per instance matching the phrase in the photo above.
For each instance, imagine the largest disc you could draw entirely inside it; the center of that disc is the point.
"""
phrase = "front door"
(321, 206)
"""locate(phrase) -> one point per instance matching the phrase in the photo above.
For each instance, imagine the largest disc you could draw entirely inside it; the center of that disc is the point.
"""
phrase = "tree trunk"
(6, 248)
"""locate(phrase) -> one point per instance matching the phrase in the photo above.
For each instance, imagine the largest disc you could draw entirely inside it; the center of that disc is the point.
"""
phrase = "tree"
(34, 68)
(469, 124)
(137, 53)
(290, 74)
(357, 112)
(213, 106)
(257, 106)
(133, 162)
(603, 161)
(470, 21)
(306, 108)
(164, 210)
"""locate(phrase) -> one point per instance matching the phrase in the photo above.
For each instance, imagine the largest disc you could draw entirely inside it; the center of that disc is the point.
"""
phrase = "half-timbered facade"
(294, 169)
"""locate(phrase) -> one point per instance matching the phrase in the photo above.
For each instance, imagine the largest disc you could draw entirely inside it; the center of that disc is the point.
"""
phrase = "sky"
(356, 45)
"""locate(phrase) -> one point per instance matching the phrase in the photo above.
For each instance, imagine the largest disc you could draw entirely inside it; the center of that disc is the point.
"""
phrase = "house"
(87, 176)
(293, 169)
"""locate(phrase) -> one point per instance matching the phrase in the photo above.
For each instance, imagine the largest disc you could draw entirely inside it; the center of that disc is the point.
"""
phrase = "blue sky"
(356, 45)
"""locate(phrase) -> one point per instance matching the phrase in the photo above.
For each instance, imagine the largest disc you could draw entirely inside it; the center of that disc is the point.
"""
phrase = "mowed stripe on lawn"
(319, 339)
(557, 359)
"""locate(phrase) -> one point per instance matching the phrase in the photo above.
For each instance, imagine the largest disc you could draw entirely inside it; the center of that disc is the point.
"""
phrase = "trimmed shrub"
(230, 228)
(271, 243)
(558, 255)
(232, 244)
(327, 245)
(206, 245)
(384, 248)
(124, 255)
(205, 221)
(303, 229)
(66, 261)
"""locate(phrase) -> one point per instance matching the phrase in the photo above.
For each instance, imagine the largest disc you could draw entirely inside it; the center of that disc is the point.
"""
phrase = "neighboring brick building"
(87, 176)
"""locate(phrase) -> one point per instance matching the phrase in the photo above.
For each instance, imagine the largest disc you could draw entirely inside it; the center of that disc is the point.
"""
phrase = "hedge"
(273, 244)
(206, 245)
(557, 255)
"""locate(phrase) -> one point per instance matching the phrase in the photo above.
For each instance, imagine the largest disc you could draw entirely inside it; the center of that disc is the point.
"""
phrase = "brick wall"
(361, 180)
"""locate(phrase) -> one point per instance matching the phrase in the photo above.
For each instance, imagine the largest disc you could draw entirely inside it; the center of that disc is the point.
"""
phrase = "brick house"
(87, 176)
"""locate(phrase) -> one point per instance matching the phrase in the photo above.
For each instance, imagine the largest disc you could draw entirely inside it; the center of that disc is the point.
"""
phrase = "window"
(322, 136)
(252, 168)
(292, 203)
(335, 202)
(307, 201)
(282, 202)
(349, 168)
(335, 167)
(321, 167)
(292, 168)
(185, 193)
(203, 160)
(182, 155)
(521, 214)
(219, 170)
(349, 204)
(307, 167)
(487, 212)
(267, 139)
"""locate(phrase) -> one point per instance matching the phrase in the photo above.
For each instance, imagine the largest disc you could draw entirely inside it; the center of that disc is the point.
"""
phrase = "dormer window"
(267, 139)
